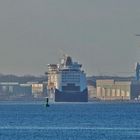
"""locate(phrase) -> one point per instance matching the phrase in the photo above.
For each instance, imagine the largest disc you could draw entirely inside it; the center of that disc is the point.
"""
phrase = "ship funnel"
(68, 61)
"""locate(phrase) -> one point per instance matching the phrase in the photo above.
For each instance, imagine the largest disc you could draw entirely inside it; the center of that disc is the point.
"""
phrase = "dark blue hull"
(71, 97)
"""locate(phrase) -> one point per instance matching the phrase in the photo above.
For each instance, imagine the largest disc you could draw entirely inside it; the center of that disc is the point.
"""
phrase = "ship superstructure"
(67, 82)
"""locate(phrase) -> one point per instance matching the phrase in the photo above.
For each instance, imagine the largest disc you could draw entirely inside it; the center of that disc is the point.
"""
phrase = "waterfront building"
(13, 90)
(91, 91)
(37, 90)
(117, 90)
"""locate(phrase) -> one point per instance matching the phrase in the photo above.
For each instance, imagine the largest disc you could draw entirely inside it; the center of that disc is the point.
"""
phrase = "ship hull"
(71, 97)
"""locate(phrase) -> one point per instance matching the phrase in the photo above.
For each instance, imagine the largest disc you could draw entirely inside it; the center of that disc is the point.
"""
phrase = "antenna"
(63, 53)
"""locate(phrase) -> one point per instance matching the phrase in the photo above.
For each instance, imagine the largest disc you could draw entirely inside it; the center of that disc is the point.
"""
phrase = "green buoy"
(47, 102)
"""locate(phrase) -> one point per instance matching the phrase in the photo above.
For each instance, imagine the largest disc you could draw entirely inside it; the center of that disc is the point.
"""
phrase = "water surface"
(73, 121)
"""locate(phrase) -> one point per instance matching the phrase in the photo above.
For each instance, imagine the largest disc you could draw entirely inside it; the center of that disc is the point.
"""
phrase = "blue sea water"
(73, 121)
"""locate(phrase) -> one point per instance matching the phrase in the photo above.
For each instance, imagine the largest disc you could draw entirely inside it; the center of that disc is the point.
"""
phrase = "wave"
(67, 128)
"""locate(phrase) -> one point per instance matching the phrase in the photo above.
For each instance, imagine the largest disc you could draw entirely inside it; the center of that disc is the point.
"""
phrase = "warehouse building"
(117, 90)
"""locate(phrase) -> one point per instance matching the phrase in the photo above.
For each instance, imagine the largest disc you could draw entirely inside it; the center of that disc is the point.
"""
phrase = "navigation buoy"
(47, 102)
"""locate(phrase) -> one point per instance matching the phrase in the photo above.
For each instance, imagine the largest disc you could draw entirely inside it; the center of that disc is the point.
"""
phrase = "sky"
(99, 34)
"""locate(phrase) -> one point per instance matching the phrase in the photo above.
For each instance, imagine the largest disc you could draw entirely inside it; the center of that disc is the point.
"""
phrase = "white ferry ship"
(67, 82)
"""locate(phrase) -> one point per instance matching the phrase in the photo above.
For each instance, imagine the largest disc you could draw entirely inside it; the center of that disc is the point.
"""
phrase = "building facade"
(117, 90)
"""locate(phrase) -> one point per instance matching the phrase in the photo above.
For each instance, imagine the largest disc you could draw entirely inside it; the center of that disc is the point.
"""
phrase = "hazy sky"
(97, 33)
